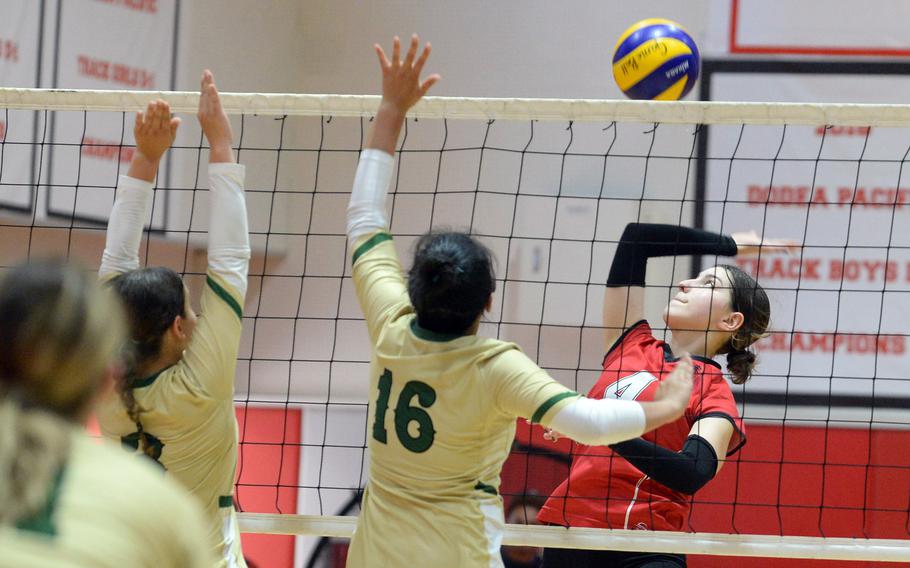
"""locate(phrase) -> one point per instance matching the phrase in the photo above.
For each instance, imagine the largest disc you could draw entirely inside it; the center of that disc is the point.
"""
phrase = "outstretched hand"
(750, 243)
(401, 84)
(155, 130)
(401, 89)
(214, 121)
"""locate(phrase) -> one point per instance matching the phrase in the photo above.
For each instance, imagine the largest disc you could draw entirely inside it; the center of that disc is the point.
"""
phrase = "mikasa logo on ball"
(679, 69)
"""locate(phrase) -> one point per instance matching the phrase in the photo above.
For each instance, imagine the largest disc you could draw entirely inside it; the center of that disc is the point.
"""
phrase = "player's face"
(700, 303)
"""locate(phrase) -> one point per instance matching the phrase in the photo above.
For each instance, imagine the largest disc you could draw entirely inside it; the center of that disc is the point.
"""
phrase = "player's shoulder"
(105, 462)
(130, 487)
(638, 338)
(224, 293)
(372, 244)
(638, 332)
(161, 386)
(128, 497)
(497, 356)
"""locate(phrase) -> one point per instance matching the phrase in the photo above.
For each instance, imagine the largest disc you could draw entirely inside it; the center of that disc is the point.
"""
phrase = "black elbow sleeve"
(630, 263)
(703, 465)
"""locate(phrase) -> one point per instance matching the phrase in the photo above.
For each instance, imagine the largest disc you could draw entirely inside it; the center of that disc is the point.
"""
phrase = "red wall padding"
(268, 476)
(836, 482)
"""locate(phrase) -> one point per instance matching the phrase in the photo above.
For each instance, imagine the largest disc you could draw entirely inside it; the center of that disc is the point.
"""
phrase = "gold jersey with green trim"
(442, 417)
(107, 510)
(187, 414)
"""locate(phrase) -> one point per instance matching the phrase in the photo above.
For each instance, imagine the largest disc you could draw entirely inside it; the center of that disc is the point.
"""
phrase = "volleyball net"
(549, 186)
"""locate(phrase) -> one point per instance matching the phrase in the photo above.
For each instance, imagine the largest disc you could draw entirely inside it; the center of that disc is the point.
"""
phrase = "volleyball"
(655, 59)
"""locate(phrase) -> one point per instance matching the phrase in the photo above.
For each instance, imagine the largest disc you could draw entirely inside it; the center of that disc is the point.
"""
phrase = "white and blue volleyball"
(655, 59)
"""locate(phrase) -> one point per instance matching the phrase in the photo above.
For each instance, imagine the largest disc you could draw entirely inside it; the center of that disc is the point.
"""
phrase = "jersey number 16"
(405, 413)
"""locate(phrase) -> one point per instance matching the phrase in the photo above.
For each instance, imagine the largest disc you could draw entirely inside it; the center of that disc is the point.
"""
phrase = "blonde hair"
(59, 336)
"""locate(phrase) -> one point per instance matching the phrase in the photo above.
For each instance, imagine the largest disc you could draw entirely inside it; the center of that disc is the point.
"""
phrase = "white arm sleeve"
(229, 235)
(366, 211)
(600, 422)
(124, 229)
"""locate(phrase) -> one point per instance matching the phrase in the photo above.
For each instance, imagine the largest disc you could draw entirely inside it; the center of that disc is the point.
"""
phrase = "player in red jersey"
(646, 483)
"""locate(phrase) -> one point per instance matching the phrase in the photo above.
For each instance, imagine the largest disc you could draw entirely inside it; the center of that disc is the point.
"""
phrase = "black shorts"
(572, 558)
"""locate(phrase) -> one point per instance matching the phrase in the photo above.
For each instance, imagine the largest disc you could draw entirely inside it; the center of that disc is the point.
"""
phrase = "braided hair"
(153, 298)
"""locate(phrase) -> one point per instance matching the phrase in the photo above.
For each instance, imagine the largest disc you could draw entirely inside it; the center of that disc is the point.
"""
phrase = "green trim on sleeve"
(481, 486)
(369, 244)
(543, 408)
(42, 521)
(225, 501)
(225, 295)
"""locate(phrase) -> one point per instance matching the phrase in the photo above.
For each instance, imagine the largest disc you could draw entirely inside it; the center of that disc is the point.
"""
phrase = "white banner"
(19, 46)
(809, 27)
(840, 308)
(105, 44)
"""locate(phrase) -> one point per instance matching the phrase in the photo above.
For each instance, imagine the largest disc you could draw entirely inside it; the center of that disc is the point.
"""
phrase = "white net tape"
(719, 113)
(683, 112)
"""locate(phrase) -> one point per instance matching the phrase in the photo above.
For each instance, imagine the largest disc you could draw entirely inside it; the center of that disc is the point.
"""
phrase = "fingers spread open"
(383, 60)
(418, 67)
(412, 51)
(396, 51)
(427, 83)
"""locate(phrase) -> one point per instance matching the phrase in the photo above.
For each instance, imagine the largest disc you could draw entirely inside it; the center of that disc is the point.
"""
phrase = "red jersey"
(606, 491)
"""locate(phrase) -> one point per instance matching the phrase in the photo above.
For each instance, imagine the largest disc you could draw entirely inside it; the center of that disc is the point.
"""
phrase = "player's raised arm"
(154, 131)
(591, 421)
(378, 275)
(401, 89)
(229, 239)
(624, 295)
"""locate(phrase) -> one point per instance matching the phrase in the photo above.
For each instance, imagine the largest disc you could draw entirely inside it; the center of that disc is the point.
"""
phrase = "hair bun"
(740, 364)
(439, 269)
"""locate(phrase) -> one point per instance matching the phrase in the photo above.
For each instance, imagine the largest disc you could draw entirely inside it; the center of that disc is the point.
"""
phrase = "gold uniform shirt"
(441, 422)
(188, 416)
(109, 510)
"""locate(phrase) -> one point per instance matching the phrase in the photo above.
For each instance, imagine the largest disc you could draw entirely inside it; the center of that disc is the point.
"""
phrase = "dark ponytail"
(750, 299)
(153, 297)
(450, 282)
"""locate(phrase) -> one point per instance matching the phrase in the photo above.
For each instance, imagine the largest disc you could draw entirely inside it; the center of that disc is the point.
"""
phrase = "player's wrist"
(393, 110)
(221, 152)
(145, 156)
(144, 167)
(660, 412)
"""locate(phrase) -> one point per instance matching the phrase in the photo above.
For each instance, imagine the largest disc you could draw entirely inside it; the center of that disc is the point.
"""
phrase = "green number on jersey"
(405, 414)
(382, 404)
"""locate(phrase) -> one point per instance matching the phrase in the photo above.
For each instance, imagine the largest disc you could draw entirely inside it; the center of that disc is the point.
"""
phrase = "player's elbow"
(692, 484)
